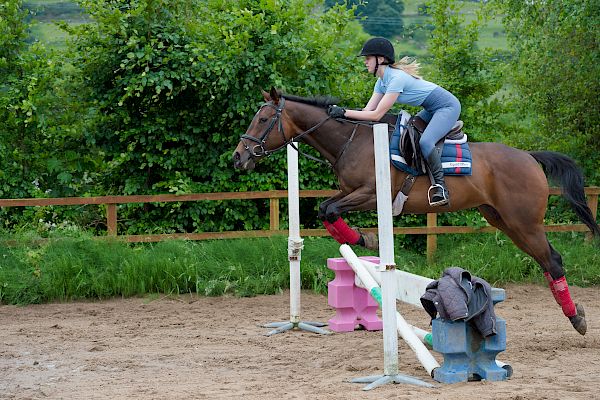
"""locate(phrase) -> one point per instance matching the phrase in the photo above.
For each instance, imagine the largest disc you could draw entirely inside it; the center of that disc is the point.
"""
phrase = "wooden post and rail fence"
(112, 203)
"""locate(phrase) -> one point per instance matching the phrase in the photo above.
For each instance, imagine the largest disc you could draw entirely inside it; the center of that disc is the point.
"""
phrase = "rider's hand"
(336, 112)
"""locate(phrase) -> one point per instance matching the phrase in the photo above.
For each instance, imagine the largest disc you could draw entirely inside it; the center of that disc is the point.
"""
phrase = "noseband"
(259, 150)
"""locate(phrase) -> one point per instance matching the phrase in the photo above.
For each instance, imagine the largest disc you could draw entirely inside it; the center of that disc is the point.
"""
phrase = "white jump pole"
(410, 289)
(295, 246)
(387, 266)
(371, 280)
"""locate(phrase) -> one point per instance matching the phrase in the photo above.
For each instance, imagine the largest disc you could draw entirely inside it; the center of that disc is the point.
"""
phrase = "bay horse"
(507, 185)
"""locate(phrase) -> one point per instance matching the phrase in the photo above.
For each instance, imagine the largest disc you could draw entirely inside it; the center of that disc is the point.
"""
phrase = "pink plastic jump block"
(353, 305)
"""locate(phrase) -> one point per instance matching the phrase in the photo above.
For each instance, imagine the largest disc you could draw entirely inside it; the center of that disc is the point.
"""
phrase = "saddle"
(456, 133)
(405, 151)
(409, 140)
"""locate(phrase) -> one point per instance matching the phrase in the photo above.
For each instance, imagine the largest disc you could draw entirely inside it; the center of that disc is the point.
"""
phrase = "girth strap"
(409, 181)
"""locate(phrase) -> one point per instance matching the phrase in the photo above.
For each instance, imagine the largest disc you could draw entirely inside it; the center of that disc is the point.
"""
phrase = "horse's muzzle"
(243, 161)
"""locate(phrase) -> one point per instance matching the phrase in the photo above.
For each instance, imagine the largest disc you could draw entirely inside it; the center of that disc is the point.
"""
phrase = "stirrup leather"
(442, 202)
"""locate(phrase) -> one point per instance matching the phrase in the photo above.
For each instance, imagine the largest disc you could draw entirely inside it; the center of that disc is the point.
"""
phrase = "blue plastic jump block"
(498, 295)
(467, 355)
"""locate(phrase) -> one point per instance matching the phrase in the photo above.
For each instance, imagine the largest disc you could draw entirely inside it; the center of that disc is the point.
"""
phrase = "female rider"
(400, 83)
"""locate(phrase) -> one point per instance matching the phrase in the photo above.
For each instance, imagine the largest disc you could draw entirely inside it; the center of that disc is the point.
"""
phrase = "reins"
(277, 120)
(259, 150)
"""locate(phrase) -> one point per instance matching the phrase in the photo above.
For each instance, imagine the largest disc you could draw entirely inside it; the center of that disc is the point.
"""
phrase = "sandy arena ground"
(192, 347)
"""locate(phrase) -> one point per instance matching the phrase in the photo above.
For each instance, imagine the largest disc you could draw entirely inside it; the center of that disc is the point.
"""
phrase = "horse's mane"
(326, 101)
(318, 101)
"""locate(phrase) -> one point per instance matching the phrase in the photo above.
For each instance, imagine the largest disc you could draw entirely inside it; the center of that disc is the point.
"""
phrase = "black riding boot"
(437, 194)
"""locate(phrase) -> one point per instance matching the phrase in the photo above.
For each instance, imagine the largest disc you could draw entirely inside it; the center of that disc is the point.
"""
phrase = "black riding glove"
(336, 112)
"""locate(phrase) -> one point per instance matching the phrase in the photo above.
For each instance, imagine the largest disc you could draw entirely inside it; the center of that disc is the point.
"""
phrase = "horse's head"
(266, 133)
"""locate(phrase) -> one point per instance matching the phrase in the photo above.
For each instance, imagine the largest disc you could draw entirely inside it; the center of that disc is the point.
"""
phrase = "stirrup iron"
(442, 202)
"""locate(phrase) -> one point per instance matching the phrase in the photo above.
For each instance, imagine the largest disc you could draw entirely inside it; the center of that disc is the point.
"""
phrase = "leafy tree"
(40, 120)
(378, 17)
(459, 65)
(13, 33)
(555, 74)
(175, 84)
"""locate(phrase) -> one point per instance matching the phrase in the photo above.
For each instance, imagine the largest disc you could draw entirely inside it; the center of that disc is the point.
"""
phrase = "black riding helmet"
(379, 47)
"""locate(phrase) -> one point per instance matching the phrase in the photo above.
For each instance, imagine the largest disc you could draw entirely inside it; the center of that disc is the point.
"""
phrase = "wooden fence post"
(592, 201)
(431, 237)
(111, 219)
(274, 214)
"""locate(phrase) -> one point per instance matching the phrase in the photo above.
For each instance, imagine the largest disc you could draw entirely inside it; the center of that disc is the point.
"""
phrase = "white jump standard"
(295, 245)
(387, 268)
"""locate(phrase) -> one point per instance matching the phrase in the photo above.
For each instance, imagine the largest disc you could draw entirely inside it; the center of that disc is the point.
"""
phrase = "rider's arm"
(373, 101)
(378, 105)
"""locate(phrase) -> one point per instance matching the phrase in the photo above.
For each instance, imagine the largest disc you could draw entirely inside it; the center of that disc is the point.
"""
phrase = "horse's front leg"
(324, 205)
(330, 212)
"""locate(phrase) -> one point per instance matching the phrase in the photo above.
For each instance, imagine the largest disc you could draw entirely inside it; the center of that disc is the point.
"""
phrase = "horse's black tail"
(563, 171)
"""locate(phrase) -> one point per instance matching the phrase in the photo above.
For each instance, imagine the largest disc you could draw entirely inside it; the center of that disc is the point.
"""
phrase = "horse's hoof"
(578, 320)
(371, 240)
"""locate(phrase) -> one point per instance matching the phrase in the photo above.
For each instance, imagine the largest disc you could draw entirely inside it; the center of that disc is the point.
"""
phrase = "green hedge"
(151, 97)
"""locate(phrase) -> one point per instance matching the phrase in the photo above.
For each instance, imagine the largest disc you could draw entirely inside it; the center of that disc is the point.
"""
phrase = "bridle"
(259, 150)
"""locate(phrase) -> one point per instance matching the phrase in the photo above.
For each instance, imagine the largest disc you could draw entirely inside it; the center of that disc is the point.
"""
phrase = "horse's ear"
(274, 95)
(266, 95)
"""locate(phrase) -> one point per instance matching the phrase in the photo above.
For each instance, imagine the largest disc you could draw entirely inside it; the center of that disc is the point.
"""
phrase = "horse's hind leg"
(531, 238)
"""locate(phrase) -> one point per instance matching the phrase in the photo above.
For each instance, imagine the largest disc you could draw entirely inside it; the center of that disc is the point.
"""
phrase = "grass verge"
(81, 267)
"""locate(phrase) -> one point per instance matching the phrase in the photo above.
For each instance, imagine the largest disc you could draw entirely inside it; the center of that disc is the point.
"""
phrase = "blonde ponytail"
(408, 65)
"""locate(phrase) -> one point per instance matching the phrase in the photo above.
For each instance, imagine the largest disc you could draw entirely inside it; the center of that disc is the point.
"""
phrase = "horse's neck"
(328, 142)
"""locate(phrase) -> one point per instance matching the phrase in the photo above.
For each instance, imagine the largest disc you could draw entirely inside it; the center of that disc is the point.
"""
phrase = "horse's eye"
(262, 120)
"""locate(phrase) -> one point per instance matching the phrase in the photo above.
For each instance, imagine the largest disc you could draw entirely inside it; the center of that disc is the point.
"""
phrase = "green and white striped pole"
(413, 336)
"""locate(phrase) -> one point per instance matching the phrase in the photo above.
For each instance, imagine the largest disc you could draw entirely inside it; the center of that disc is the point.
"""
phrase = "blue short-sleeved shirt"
(412, 91)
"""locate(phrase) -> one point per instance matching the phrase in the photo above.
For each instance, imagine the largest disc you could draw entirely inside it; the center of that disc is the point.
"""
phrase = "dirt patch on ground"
(198, 347)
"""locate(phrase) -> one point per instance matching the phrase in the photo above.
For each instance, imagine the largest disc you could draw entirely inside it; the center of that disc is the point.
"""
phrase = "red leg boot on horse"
(344, 234)
(560, 290)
